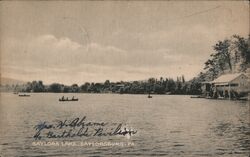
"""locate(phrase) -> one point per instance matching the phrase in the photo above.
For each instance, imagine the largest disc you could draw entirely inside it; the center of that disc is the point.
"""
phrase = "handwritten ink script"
(80, 127)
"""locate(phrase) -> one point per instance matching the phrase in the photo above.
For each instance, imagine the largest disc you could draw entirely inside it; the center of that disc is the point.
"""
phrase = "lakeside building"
(231, 86)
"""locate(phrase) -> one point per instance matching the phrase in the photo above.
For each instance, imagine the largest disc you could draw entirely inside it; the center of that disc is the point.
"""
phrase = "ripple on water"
(167, 125)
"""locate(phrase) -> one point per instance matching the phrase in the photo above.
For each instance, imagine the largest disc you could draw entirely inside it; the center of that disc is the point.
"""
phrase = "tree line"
(152, 85)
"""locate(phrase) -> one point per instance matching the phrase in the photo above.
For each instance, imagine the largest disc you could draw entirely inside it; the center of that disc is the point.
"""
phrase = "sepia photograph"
(124, 78)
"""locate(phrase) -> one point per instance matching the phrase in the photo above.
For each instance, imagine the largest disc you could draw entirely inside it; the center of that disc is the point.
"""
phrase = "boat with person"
(24, 95)
(67, 99)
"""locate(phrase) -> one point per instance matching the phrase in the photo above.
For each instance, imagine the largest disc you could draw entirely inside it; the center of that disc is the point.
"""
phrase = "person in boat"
(73, 98)
(62, 97)
(67, 99)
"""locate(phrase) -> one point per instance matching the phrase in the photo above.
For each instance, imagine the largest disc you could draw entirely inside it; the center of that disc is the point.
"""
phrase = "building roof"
(227, 78)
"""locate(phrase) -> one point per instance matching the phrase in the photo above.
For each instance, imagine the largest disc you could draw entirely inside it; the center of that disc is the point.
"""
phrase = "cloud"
(61, 43)
(48, 57)
(50, 51)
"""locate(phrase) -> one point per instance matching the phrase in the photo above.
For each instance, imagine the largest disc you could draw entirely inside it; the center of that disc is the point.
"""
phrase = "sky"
(92, 41)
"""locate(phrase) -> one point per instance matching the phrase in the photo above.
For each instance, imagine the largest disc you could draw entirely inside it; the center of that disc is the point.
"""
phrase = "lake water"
(166, 125)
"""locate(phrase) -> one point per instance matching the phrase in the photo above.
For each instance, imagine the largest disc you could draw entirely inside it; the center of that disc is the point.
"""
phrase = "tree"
(37, 86)
(230, 55)
(170, 86)
(55, 87)
(241, 48)
(66, 89)
(74, 88)
(183, 79)
(85, 87)
(222, 55)
(106, 83)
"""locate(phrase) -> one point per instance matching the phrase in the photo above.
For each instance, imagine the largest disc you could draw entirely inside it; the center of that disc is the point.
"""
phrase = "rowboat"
(66, 99)
(23, 95)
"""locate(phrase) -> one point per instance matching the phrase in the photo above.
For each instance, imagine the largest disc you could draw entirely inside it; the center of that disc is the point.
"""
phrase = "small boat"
(149, 96)
(68, 99)
(23, 95)
(63, 99)
(198, 96)
(243, 98)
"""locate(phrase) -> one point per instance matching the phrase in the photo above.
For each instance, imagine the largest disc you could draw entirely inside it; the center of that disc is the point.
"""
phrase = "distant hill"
(10, 81)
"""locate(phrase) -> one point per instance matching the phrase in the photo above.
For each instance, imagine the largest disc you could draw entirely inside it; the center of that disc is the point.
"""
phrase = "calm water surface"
(166, 125)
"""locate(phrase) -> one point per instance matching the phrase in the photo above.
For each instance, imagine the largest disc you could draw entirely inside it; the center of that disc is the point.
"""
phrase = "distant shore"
(151, 86)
